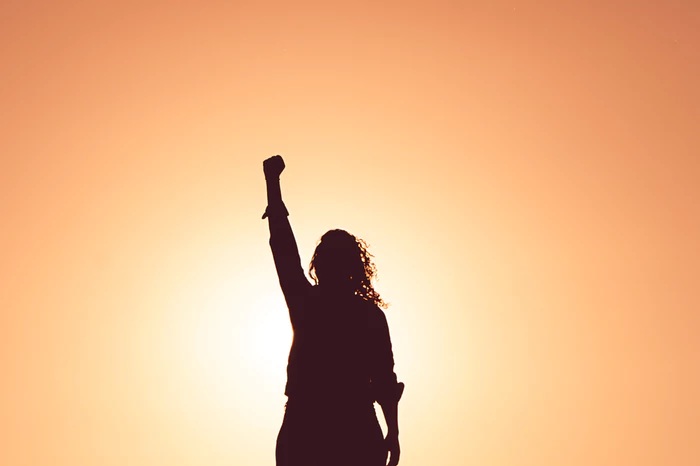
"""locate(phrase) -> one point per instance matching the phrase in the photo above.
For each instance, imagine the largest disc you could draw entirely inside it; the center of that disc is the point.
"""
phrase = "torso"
(329, 358)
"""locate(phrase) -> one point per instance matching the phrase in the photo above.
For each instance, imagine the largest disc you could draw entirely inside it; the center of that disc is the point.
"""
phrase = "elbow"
(389, 394)
(274, 241)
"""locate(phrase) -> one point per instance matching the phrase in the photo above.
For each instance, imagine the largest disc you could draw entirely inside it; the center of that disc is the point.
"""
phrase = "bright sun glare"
(234, 342)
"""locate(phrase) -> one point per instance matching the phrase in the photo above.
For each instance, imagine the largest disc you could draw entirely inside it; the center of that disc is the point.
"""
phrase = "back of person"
(331, 356)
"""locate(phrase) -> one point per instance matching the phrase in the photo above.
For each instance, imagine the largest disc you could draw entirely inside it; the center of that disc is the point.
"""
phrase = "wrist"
(276, 210)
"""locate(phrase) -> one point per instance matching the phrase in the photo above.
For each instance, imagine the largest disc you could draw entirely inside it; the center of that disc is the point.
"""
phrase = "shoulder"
(375, 315)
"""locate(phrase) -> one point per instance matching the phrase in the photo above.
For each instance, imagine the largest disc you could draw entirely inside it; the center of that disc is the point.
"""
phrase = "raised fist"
(273, 166)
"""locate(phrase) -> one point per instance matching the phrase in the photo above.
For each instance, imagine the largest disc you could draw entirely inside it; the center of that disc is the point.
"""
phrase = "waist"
(323, 392)
(313, 408)
(329, 394)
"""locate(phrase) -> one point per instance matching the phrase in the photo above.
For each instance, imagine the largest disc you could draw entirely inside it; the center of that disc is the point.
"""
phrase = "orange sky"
(529, 186)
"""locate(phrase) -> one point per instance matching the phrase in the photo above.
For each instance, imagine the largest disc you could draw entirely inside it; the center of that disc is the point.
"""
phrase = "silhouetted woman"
(341, 359)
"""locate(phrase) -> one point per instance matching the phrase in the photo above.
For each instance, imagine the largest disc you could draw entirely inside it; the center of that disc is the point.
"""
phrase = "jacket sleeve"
(385, 386)
(285, 253)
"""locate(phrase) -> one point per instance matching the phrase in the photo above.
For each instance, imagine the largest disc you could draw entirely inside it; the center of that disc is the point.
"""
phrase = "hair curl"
(344, 254)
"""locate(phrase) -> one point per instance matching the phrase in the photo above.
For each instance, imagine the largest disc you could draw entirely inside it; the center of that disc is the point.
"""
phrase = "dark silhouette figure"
(341, 360)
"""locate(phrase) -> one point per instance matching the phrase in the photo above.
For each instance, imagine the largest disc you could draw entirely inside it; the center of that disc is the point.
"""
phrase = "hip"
(349, 434)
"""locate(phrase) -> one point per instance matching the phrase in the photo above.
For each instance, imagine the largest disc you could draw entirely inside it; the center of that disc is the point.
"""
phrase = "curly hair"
(345, 257)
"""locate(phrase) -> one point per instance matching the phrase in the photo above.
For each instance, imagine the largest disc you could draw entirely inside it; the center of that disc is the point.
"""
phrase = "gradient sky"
(526, 173)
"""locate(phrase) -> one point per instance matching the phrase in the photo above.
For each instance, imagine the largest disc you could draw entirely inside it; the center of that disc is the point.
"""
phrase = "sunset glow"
(526, 174)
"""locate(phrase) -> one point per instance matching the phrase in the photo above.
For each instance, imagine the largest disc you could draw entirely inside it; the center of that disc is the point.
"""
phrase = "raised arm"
(285, 252)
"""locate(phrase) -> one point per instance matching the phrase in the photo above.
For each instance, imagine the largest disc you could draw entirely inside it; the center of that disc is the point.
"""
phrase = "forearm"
(391, 416)
(274, 191)
(281, 235)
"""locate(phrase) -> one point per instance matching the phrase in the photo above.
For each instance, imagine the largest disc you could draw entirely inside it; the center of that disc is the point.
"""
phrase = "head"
(341, 262)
